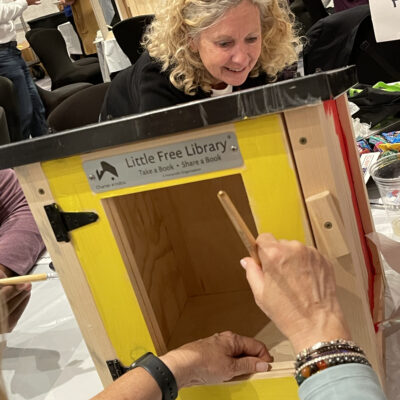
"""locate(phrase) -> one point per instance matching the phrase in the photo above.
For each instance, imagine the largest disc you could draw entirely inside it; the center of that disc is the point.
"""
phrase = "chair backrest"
(82, 108)
(307, 13)
(50, 47)
(48, 21)
(9, 102)
(129, 33)
(52, 98)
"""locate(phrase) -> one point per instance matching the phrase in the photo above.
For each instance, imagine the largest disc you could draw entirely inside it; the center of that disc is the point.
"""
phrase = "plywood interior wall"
(183, 256)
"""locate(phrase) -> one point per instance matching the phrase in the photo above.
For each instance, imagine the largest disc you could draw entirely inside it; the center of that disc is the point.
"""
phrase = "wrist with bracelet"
(327, 354)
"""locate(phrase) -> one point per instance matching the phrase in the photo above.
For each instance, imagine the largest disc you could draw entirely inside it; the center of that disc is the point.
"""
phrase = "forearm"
(343, 382)
(137, 384)
(10, 11)
(20, 248)
(20, 240)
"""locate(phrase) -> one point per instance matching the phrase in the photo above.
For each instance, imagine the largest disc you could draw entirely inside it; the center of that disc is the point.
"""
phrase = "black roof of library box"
(267, 99)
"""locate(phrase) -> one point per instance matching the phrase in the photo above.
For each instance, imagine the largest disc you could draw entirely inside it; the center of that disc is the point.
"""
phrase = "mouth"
(236, 70)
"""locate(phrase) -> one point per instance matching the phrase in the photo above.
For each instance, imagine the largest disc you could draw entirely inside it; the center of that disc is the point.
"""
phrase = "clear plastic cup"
(386, 174)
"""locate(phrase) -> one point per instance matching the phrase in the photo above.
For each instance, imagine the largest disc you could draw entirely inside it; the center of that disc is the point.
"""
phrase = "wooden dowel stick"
(16, 280)
(241, 228)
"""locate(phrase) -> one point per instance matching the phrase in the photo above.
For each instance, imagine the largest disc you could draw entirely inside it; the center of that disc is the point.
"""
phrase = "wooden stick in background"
(16, 280)
(241, 228)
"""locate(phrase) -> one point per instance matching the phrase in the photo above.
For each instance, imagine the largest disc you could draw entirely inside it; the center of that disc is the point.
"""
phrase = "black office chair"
(82, 108)
(307, 13)
(129, 33)
(49, 45)
(346, 38)
(9, 102)
(48, 21)
(51, 99)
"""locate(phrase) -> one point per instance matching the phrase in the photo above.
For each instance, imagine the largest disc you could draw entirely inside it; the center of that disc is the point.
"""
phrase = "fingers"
(15, 295)
(247, 346)
(16, 299)
(254, 276)
(249, 365)
(9, 292)
(265, 238)
(14, 316)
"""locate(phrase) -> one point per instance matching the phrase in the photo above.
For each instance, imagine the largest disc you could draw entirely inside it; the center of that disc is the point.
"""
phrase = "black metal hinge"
(116, 368)
(63, 222)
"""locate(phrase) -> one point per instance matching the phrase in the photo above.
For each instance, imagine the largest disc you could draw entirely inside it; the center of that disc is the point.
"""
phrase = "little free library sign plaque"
(192, 157)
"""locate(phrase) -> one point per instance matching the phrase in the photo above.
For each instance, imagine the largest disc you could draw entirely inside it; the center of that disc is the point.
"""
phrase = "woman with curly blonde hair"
(196, 49)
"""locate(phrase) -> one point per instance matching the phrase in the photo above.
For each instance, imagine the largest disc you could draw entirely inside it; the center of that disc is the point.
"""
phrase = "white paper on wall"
(386, 19)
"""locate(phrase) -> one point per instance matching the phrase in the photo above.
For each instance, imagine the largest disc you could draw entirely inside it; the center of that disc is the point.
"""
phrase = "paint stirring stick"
(241, 228)
(16, 280)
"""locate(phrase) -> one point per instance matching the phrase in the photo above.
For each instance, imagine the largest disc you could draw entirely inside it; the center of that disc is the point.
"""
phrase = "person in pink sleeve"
(20, 244)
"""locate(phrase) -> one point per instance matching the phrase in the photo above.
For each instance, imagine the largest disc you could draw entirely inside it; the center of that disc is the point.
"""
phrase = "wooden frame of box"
(160, 266)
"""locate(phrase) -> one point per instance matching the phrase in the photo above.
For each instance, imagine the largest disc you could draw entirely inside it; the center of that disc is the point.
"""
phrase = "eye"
(252, 39)
(224, 44)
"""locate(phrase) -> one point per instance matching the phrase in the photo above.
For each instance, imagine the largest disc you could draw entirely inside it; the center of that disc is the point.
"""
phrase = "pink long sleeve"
(20, 241)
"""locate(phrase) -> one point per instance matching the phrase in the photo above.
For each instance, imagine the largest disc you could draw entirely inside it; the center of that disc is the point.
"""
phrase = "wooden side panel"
(150, 258)
(321, 168)
(121, 221)
(362, 200)
(38, 193)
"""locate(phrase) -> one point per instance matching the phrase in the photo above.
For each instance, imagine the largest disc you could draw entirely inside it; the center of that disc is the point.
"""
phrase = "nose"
(240, 55)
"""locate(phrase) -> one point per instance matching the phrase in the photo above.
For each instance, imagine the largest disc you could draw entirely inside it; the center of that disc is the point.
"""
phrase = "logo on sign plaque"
(156, 164)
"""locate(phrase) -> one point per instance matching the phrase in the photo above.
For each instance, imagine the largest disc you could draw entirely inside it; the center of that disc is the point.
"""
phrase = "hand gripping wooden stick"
(241, 228)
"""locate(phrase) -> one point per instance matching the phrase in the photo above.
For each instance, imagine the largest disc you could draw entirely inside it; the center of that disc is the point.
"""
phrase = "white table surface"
(47, 359)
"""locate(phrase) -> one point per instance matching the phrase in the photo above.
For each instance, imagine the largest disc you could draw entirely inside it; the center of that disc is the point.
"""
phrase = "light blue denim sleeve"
(343, 382)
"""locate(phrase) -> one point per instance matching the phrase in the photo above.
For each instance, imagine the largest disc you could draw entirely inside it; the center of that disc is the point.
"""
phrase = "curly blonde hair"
(179, 22)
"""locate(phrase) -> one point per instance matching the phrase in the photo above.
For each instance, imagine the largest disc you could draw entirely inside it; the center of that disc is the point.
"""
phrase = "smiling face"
(230, 48)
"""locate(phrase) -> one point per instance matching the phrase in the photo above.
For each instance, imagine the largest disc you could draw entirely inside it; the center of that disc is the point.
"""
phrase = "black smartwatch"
(161, 374)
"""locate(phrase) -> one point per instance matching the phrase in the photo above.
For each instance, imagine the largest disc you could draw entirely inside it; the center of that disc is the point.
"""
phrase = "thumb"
(254, 276)
(249, 365)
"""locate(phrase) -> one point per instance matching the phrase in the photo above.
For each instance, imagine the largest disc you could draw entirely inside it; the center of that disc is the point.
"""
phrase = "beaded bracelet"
(327, 354)
(320, 363)
(342, 348)
(320, 345)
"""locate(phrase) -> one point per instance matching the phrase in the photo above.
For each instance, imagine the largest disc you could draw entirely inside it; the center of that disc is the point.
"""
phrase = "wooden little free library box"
(129, 213)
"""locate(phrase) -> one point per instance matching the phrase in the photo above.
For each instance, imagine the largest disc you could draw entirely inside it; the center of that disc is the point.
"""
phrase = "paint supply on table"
(386, 174)
(17, 280)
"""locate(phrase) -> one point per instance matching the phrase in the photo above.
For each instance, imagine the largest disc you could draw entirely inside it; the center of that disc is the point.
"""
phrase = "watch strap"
(161, 374)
